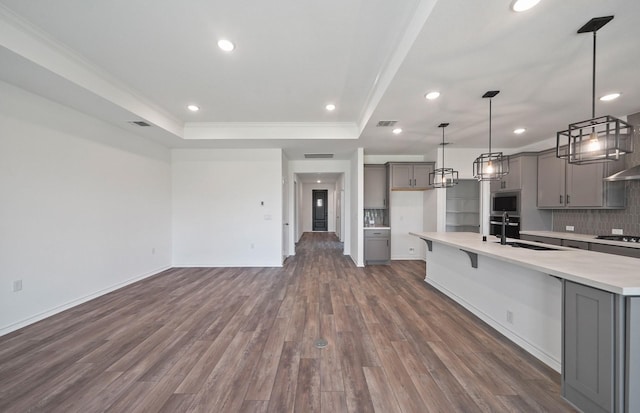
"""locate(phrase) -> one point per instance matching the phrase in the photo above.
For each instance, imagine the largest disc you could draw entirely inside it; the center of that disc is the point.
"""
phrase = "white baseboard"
(58, 309)
(526, 345)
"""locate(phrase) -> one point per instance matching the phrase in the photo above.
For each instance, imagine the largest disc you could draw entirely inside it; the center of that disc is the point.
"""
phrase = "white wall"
(407, 215)
(227, 207)
(84, 207)
(322, 166)
(356, 197)
(306, 208)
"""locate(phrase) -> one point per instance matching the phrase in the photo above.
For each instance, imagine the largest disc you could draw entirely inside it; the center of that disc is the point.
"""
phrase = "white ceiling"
(125, 60)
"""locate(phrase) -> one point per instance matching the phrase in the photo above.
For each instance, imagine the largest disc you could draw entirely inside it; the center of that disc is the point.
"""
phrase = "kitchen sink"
(534, 247)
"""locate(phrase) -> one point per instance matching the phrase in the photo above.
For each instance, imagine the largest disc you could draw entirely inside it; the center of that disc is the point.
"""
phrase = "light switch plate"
(616, 231)
(569, 228)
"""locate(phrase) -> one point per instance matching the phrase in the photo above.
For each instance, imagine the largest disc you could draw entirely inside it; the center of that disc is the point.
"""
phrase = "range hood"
(626, 175)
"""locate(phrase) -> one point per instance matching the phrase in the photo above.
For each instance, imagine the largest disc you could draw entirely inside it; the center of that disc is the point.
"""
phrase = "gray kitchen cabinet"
(375, 187)
(614, 249)
(588, 358)
(512, 180)
(584, 185)
(581, 245)
(410, 176)
(377, 246)
(562, 185)
(551, 180)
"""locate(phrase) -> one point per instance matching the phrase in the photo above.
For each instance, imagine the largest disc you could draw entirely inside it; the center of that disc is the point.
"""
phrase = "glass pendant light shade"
(490, 166)
(601, 139)
(443, 177)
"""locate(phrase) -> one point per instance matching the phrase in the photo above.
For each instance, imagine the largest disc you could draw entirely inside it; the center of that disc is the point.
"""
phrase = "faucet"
(505, 222)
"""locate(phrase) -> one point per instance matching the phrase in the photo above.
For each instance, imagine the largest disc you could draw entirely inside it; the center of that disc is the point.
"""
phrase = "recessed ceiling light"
(397, 131)
(523, 5)
(193, 108)
(432, 95)
(330, 107)
(519, 131)
(226, 45)
(610, 96)
(319, 181)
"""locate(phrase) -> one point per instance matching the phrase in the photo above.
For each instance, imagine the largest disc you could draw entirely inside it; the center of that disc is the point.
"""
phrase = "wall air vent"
(318, 155)
(140, 123)
(386, 123)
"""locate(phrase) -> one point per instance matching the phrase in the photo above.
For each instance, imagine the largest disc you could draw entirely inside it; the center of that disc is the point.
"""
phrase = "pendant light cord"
(443, 150)
(489, 125)
(593, 81)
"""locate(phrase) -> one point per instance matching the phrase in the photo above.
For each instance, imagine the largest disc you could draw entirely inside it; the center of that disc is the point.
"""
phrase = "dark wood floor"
(242, 339)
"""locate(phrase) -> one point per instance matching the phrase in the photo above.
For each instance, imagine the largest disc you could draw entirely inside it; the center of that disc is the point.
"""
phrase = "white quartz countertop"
(581, 237)
(614, 273)
(377, 228)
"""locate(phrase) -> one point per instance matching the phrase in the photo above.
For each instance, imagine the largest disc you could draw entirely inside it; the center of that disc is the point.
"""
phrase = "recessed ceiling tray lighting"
(432, 95)
(523, 5)
(330, 107)
(610, 96)
(519, 131)
(397, 131)
(226, 45)
(193, 108)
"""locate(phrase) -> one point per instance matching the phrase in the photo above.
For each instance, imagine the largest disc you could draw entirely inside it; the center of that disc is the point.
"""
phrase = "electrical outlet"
(412, 251)
(252, 245)
(153, 251)
(616, 231)
(17, 286)
(569, 228)
(509, 316)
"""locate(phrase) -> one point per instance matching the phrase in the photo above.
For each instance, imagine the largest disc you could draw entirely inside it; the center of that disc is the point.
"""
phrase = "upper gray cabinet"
(375, 187)
(512, 180)
(410, 176)
(562, 185)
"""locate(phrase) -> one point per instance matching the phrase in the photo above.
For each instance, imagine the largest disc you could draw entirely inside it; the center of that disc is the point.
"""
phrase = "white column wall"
(227, 207)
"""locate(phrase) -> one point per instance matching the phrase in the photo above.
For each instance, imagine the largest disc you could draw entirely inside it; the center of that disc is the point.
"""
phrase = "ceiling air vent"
(318, 155)
(386, 123)
(140, 123)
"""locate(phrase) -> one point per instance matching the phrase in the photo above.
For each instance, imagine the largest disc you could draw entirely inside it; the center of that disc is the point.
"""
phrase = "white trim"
(270, 130)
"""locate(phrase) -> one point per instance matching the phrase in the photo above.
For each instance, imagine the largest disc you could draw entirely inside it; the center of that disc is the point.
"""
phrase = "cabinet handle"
(410, 181)
(568, 202)
(387, 243)
(561, 199)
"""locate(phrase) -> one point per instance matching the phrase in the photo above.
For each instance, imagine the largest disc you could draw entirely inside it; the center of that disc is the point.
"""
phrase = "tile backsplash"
(601, 222)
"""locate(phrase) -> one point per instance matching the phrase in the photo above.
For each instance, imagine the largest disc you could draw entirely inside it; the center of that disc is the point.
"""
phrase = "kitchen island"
(577, 311)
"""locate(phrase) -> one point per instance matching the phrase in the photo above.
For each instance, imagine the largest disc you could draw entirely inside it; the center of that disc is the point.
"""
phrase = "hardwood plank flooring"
(241, 340)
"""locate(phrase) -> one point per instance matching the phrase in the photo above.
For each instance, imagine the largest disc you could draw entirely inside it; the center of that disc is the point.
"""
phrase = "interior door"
(320, 209)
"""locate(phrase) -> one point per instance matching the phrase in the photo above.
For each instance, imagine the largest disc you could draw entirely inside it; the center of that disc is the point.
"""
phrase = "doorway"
(320, 209)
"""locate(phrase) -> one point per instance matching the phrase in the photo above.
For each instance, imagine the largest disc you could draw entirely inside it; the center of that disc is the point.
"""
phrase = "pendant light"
(443, 177)
(600, 139)
(490, 166)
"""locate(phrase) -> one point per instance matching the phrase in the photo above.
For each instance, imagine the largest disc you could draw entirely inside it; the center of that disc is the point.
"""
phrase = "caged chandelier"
(600, 139)
(490, 166)
(443, 177)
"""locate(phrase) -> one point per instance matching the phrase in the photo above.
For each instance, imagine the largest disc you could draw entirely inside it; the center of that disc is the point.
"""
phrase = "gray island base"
(577, 311)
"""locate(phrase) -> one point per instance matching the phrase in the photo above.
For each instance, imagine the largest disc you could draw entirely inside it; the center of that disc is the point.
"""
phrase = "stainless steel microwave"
(508, 202)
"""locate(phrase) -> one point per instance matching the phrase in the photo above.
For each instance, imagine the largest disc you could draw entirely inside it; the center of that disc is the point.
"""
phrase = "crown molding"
(270, 130)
